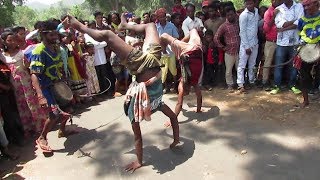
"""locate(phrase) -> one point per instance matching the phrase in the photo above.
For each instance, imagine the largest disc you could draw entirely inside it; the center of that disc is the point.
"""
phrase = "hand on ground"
(133, 166)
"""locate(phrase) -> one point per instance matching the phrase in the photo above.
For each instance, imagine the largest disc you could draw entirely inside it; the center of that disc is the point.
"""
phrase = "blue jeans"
(284, 54)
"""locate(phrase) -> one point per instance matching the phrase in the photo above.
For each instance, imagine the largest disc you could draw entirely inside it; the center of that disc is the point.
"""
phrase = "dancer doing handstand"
(189, 52)
(144, 95)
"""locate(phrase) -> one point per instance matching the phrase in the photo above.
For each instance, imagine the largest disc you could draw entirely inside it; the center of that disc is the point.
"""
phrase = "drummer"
(309, 26)
(45, 62)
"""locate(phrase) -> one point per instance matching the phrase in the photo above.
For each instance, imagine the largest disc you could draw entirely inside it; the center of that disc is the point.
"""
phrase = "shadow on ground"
(282, 142)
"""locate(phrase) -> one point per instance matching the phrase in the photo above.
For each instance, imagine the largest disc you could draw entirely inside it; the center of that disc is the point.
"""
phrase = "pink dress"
(31, 114)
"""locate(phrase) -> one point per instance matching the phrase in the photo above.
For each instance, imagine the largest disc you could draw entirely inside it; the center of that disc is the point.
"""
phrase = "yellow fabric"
(169, 62)
(312, 23)
(73, 69)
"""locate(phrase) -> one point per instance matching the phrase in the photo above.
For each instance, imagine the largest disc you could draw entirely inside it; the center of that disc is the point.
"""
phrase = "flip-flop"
(44, 148)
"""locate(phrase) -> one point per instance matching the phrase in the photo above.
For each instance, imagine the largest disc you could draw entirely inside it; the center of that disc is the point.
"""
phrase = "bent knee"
(103, 35)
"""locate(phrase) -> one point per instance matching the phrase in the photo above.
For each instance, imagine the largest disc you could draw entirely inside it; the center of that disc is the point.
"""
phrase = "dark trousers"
(214, 74)
(12, 123)
(306, 80)
(210, 73)
(105, 72)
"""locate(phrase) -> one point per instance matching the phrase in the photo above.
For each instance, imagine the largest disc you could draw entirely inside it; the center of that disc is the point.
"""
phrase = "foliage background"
(15, 13)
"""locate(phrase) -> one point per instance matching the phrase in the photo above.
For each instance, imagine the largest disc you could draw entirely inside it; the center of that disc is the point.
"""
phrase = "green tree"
(6, 11)
(24, 16)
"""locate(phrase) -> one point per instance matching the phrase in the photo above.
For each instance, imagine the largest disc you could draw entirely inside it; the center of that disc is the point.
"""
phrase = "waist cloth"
(138, 61)
(144, 98)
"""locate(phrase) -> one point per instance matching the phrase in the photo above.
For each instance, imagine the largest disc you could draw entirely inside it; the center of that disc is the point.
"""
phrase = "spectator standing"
(248, 22)
(270, 31)
(191, 22)
(169, 60)
(286, 21)
(229, 32)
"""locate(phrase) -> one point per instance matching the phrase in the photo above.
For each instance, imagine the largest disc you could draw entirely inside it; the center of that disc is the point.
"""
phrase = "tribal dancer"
(188, 51)
(144, 95)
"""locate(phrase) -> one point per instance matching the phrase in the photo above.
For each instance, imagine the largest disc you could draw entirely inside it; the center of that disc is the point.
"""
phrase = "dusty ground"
(251, 136)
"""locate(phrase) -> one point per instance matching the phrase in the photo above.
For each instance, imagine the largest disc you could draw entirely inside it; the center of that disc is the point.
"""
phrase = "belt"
(272, 41)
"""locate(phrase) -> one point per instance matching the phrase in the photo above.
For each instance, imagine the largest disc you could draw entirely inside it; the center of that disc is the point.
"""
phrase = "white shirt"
(248, 22)
(99, 53)
(294, 13)
(189, 24)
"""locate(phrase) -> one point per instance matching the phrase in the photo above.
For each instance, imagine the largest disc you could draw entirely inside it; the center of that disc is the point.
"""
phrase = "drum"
(62, 93)
(309, 53)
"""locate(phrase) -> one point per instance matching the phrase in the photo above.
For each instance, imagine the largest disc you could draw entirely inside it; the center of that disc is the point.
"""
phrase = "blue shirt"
(170, 29)
(309, 27)
(45, 64)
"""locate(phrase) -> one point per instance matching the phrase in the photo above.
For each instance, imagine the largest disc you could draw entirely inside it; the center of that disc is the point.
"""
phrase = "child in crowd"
(92, 79)
(210, 60)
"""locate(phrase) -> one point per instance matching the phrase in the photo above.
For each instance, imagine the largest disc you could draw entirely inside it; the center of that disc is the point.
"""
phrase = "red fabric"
(270, 31)
(195, 60)
(205, 3)
(221, 55)
(181, 10)
(79, 63)
(209, 56)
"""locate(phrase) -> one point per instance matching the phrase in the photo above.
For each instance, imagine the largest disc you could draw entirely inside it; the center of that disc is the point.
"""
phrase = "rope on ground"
(97, 94)
(273, 66)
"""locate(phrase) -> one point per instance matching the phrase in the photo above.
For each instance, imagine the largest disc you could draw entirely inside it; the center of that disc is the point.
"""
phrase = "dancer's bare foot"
(167, 124)
(198, 110)
(123, 23)
(175, 144)
(133, 166)
(304, 104)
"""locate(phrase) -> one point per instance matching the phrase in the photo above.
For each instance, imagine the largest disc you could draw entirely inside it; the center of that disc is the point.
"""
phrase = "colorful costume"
(31, 115)
(77, 72)
(144, 98)
(309, 33)
(46, 65)
(193, 53)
